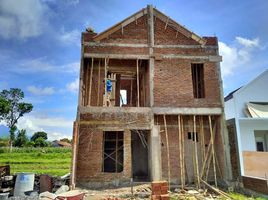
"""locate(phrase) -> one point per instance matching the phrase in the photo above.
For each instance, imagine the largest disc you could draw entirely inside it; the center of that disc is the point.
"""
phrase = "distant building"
(247, 120)
(57, 143)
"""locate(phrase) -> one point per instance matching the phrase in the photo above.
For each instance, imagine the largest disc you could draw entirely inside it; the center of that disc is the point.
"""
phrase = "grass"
(49, 160)
(238, 196)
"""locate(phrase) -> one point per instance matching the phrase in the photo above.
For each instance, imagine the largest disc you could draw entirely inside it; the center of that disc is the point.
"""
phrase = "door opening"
(139, 148)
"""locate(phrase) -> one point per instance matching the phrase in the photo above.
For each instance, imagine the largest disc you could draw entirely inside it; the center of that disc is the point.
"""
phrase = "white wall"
(229, 109)
(255, 91)
(247, 128)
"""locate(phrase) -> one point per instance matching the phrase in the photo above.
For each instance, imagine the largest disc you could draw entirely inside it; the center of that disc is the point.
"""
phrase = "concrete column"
(156, 164)
(127, 154)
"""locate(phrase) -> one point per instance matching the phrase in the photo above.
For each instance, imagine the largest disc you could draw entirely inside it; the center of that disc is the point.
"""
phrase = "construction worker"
(109, 88)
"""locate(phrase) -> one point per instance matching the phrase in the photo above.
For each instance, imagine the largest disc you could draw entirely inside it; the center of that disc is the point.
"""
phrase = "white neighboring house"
(246, 110)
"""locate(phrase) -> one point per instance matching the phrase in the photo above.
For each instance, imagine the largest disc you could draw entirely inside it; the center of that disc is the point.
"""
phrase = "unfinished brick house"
(163, 118)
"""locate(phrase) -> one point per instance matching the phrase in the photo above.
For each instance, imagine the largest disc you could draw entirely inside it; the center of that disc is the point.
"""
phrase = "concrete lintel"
(116, 56)
(179, 46)
(146, 57)
(209, 58)
(95, 109)
(187, 111)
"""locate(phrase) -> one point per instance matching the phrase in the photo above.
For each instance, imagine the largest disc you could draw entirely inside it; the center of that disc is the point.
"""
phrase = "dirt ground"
(143, 191)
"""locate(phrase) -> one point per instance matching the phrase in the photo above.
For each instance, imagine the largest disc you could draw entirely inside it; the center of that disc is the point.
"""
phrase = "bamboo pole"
(98, 97)
(180, 149)
(165, 124)
(138, 84)
(131, 91)
(213, 152)
(86, 85)
(196, 156)
(105, 83)
(90, 81)
(202, 136)
(184, 169)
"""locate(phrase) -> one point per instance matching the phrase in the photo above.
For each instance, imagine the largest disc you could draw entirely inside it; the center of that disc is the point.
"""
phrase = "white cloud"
(237, 54)
(57, 136)
(73, 86)
(41, 91)
(22, 19)
(248, 43)
(51, 125)
(71, 37)
(41, 64)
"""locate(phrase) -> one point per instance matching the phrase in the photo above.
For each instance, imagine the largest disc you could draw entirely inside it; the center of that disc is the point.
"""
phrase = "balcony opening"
(115, 83)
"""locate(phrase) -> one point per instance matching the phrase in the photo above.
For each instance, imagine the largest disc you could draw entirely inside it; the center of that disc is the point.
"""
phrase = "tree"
(11, 109)
(40, 142)
(39, 134)
(21, 139)
(65, 140)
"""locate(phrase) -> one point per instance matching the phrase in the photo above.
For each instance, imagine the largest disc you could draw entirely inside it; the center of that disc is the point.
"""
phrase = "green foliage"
(39, 134)
(29, 144)
(65, 140)
(46, 160)
(21, 139)
(11, 109)
(4, 142)
(40, 142)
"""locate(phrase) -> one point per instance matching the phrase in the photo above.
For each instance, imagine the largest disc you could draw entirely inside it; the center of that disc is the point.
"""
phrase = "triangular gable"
(120, 25)
(169, 22)
(178, 27)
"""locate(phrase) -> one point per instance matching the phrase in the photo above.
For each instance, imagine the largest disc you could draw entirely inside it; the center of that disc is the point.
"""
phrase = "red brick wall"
(168, 35)
(173, 85)
(132, 33)
(173, 135)
(90, 155)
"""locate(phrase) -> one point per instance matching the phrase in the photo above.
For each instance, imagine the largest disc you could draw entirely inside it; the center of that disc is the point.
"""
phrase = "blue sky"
(40, 47)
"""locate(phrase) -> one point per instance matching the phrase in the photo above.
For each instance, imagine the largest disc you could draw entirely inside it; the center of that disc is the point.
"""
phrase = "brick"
(165, 197)
(155, 197)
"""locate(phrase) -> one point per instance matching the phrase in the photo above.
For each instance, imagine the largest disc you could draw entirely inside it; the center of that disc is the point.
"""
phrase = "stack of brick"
(160, 190)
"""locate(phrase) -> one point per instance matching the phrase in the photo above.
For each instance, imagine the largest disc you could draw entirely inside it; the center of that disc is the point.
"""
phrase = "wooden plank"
(180, 150)
(74, 155)
(98, 93)
(105, 83)
(90, 81)
(131, 91)
(166, 133)
(196, 155)
(138, 84)
(213, 151)
(184, 169)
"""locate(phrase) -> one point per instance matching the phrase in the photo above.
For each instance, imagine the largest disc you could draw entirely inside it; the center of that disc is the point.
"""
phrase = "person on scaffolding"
(109, 88)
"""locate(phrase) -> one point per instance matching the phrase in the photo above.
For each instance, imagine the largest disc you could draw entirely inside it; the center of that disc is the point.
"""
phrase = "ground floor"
(121, 145)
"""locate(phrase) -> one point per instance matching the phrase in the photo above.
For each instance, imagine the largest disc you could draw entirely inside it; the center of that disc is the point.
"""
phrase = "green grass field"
(53, 161)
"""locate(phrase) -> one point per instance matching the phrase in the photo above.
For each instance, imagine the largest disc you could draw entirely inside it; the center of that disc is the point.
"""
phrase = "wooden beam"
(90, 82)
(196, 156)
(131, 91)
(105, 83)
(138, 84)
(180, 150)
(74, 155)
(213, 151)
(184, 170)
(165, 124)
(98, 95)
